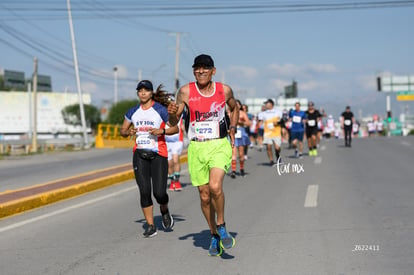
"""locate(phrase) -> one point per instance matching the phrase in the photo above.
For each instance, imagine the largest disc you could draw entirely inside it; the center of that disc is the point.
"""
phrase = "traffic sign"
(405, 95)
(395, 83)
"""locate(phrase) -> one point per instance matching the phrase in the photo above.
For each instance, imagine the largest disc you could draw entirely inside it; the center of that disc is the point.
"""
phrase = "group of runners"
(272, 127)
(220, 131)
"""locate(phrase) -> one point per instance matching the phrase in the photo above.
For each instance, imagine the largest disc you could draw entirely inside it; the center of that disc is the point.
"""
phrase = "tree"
(117, 112)
(71, 115)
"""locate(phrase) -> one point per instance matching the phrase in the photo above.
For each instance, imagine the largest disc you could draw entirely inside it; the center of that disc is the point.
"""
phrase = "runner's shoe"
(172, 185)
(226, 240)
(177, 185)
(242, 173)
(233, 174)
(151, 231)
(315, 152)
(215, 248)
(311, 152)
(296, 153)
(167, 220)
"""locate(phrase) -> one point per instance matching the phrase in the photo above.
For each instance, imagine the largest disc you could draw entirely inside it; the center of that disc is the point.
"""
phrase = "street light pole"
(115, 85)
(75, 61)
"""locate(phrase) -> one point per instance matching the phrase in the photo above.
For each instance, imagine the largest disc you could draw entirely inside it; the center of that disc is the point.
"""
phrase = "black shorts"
(311, 131)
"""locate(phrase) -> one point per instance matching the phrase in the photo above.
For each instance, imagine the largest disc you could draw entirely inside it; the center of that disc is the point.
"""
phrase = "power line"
(49, 10)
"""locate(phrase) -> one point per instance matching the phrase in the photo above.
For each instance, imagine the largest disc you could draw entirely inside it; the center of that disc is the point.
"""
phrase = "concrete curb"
(31, 202)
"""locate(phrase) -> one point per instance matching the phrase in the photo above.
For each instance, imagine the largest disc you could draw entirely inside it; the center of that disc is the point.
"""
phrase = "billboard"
(16, 114)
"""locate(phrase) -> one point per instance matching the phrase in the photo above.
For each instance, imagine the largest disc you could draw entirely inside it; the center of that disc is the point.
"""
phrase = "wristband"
(232, 127)
(163, 131)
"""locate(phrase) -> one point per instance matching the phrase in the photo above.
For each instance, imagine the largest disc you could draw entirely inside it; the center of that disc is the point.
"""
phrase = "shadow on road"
(202, 239)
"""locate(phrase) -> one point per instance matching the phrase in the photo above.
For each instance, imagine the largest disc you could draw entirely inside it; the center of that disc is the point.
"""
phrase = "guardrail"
(109, 136)
(24, 146)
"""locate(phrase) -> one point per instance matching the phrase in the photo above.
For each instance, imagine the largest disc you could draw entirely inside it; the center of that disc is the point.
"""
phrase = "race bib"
(207, 130)
(311, 123)
(347, 122)
(145, 141)
(270, 126)
(297, 119)
(238, 133)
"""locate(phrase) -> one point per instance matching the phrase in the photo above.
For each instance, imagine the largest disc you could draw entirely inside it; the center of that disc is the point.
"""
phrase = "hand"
(232, 132)
(156, 131)
(172, 108)
(132, 131)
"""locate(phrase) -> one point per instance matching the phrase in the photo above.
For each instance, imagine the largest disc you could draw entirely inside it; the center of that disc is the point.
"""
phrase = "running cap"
(203, 60)
(145, 84)
(347, 107)
(310, 103)
(269, 101)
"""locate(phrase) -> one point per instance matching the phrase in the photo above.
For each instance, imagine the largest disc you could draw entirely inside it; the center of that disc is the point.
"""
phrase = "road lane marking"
(311, 199)
(405, 143)
(60, 211)
(318, 160)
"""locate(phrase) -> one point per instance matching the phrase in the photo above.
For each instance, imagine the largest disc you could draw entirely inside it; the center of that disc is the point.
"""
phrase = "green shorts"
(202, 156)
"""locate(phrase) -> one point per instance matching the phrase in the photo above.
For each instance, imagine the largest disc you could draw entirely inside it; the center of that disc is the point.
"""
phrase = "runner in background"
(355, 129)
(260, 132)
(271, 120)
(320, 127)
(371, 128)
(175, 144)
(245, 108)
(241, 141)
(380, 127)
(297, 118)
(313, 118)
(347, 120)
(330, 127)
(253, 132)
(285, 126)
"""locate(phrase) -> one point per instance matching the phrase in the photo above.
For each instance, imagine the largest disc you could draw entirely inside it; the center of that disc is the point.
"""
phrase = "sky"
(334, 52)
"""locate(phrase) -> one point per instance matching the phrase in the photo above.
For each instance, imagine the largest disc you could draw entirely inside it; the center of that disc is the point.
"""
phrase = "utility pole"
(177, 60)
(75, 60)
(34, 109)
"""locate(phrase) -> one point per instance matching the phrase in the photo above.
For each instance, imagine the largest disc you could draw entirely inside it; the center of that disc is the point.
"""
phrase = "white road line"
(318, 160)
(45, 216)
(405, 143)
(311, 199)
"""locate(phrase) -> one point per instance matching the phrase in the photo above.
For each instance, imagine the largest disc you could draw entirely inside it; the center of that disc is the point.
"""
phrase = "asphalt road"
(22, 171)
(347, 211)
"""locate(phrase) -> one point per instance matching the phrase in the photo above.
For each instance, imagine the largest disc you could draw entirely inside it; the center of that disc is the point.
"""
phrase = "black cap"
(203, 60)
(269, 101)
(347, 107)
(145, 84)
